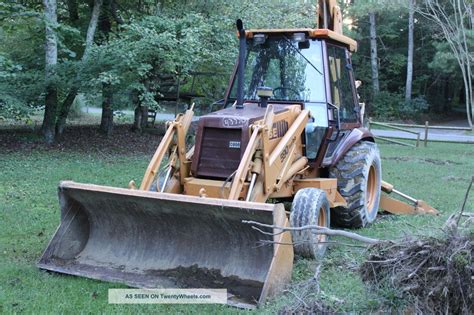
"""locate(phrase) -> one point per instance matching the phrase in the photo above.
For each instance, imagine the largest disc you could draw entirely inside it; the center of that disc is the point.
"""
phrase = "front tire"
(359, 178)
(310, 207)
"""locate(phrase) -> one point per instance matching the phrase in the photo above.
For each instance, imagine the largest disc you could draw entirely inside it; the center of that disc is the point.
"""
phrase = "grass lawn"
(29, 215)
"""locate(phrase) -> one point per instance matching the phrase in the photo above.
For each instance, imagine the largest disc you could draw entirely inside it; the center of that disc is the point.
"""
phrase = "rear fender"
(356, 135)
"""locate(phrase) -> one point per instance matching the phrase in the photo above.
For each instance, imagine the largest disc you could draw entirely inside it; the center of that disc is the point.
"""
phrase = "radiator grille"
(220, 152)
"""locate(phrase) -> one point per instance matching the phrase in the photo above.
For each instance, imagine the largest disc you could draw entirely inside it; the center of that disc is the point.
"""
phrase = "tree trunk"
(454, 26)
(137, 120)
(373, 55)
(107, 119)
(51, 60)
(141, 118)
(144, 121)
(66, 105)
(141, 113)
(51, 103)
(469, 27)
(92, 27)
(411, 24)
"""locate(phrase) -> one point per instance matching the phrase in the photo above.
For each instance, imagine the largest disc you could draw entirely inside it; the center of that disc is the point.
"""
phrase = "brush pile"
(435, 274)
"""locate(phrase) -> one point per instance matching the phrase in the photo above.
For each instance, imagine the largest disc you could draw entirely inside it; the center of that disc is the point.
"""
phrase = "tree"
(91, 30)
(105, 27)
(455, 20)
(51, 60)
(373, 54)
(411, 22)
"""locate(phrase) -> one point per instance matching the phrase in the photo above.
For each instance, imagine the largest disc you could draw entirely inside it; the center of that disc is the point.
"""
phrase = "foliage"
(153, 44)
(392, 106)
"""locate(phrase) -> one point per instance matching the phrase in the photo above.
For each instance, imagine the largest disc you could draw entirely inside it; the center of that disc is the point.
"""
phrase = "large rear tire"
(359, 178)
(310, 207)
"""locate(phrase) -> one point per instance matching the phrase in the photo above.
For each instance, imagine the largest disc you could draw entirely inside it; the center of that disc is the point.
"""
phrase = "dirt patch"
(454, 179)
(427, 160)
(440, 162)
(398, 158)
(196, 277)
(434, 274)
(82, 139)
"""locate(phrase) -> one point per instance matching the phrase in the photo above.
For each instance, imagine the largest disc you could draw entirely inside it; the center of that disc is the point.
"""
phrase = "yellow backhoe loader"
(289, 132)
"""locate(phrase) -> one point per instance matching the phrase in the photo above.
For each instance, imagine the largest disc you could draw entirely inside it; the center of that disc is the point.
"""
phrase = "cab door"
(342, 97)
(342, 87)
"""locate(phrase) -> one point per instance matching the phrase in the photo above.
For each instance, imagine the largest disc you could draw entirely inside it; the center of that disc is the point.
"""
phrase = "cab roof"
(320, 33)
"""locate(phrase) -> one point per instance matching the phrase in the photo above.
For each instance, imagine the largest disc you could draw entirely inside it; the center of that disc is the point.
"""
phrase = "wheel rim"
(371, 190)
(322, 221)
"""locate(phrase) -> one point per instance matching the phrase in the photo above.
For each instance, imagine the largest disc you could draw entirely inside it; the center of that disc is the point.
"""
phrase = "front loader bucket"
(159, 240)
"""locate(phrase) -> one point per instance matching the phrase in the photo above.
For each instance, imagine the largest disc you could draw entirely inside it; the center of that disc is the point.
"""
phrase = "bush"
(15, 111)
(392, 106)
(413, 108)
(386, 105)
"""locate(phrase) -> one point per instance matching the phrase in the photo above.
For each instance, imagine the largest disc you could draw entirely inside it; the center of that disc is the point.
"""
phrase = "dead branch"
(267, 242)
(316, 228)
(465, 200)
(432, 273)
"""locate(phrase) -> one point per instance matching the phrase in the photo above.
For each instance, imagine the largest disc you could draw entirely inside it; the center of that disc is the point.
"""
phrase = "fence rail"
(425, 129)
(391, 126)
(431, 127)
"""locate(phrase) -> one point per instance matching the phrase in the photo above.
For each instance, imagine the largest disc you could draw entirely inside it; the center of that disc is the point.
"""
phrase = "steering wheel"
(280, 89)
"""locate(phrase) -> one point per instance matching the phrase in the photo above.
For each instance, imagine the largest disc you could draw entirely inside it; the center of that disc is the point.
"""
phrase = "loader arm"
(269, 169)
(176, 133)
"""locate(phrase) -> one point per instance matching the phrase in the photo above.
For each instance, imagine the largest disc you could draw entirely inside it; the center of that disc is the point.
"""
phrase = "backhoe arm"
(396, 206)
(329, 15)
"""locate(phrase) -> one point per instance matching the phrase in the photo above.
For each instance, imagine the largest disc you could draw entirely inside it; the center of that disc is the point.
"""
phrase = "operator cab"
(307, 67)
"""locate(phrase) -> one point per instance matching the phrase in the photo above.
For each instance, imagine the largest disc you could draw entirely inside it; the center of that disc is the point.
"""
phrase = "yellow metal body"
(278, 163)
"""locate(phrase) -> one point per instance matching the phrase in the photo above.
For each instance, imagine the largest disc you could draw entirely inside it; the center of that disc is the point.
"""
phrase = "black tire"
(359, 178)
(310, 207)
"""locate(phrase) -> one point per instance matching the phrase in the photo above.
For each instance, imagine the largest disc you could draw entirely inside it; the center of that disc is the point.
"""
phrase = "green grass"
(29, 215)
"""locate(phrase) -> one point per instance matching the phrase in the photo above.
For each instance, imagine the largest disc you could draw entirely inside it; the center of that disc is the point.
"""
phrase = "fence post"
(418, 140)
(426, 133)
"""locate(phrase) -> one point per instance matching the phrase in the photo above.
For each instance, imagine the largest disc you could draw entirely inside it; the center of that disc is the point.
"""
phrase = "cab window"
(340, 70)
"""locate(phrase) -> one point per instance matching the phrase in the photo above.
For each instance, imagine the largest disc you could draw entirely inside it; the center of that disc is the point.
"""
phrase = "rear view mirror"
(303, 45)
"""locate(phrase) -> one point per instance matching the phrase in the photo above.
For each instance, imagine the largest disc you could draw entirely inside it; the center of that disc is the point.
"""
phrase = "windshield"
(292, 69)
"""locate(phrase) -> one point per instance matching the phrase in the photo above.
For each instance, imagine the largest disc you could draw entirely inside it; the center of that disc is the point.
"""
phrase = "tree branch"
(317, 228)
(465, 200)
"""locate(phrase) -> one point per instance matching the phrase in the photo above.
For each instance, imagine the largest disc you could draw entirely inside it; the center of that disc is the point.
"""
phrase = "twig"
(297, 297)
(267, 242)
(317, 273)
(319, 230)
(465, 200)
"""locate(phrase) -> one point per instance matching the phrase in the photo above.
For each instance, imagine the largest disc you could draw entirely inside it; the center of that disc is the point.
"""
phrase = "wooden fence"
(403, 127)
